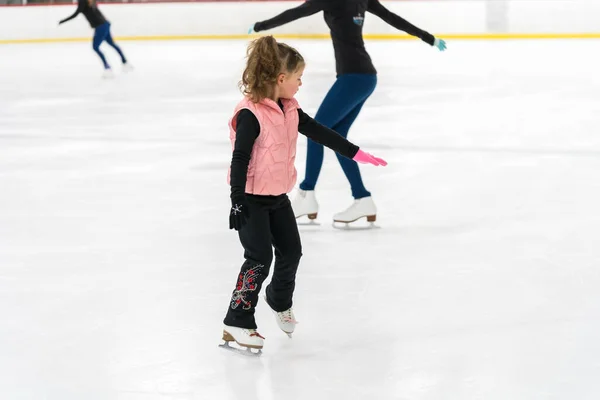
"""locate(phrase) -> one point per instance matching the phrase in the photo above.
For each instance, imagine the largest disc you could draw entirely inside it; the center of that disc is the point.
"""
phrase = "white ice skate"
(305, 203)
(108, 74)
(285, 320)
(361, 208)
(127, 67)
(247, 339)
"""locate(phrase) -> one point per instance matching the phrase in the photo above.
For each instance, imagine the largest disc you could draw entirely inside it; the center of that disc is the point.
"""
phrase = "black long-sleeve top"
(248, 129)
(90, 10)
(345, 21)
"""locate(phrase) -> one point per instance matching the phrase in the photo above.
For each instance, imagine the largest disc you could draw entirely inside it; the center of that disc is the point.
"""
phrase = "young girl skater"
(356, 80)
(101, 26)
(263, 132)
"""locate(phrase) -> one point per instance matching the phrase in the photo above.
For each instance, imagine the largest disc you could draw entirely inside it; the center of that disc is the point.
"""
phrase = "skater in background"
(101, 26)
(263, 132)
(356, 80)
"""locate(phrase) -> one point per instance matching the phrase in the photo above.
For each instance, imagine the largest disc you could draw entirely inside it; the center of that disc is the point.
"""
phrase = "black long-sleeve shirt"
(90, 10)
(345, 21)
(248, 129)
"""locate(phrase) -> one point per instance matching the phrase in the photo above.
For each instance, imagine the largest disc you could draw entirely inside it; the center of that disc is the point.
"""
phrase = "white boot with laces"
(285, 320)
(305, 203)
(364, 207)
(246, 338)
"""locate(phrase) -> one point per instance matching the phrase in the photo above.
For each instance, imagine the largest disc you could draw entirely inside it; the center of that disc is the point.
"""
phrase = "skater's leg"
(99, 36)
(111, 42)
(363, 86)
(255, 237)
(338, 102)
(350, 167)
(288, 251)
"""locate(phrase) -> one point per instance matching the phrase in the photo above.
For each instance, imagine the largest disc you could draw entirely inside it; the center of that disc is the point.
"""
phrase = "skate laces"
(253, 332)
(288, 316)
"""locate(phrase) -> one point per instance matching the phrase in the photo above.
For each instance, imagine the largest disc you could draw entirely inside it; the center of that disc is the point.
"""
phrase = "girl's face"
(288, 84)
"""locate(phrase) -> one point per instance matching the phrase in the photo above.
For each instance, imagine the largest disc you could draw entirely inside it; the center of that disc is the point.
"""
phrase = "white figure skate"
(305, 203)
(361, 208)
(108, 74)
(285, 320)
(247, 339)
(127, 67)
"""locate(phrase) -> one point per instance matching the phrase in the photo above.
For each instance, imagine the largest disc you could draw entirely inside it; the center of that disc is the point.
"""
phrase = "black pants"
(271, 225)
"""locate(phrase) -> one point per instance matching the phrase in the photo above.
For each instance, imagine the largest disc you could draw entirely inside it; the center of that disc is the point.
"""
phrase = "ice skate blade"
(244, 352)
(350, 226)
(312, 220)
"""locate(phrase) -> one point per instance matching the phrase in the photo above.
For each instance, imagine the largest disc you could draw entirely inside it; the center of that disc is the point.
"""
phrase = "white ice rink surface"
(117, 264)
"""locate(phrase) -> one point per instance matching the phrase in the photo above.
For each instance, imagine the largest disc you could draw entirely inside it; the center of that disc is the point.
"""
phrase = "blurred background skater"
(89, 8)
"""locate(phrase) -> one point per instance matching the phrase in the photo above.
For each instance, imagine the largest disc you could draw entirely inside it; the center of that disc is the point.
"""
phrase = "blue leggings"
(101, 34)
(338, 111)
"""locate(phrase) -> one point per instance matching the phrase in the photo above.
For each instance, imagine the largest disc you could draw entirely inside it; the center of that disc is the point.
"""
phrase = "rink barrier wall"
(486, 36)
(450, 19)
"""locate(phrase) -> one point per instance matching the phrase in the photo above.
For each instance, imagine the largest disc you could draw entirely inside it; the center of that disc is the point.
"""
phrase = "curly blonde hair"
(266, 59)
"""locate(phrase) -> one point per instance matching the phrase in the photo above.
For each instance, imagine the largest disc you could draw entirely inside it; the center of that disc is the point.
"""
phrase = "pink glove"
(366, 158)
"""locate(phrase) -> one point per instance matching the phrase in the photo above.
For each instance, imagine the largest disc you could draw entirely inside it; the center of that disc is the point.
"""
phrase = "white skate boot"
(305, 203)
(127, 67)
(285, 319)
(364, 207)
(108, 74)
(246, 338)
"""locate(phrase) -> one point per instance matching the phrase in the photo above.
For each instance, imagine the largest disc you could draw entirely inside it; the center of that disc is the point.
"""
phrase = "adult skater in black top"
(356, 80)
(89, 8)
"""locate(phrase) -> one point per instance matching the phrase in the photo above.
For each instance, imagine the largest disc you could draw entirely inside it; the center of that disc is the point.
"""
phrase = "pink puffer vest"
(271, 170)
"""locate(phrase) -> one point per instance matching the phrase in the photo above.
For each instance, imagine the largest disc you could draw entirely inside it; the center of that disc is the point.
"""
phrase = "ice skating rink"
(117, 264)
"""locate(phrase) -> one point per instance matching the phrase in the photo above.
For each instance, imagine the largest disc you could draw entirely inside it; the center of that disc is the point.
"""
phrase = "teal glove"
(440, 44)
(251, 29)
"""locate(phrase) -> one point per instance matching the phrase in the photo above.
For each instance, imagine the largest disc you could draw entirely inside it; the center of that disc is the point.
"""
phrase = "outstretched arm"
(330, 138)
(398, 22)
(325, 136)
(306, 9)
(79, 9)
